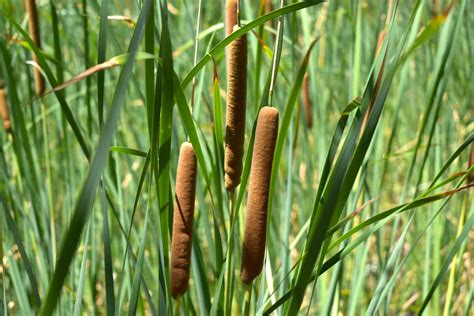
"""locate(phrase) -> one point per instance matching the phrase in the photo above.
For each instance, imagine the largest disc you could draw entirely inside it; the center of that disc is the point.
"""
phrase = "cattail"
(236, 104)
(181, 243)
(307, 102)
(470, 178)
(257, 204)
(33, 26)
(4, 114)
(230, 16)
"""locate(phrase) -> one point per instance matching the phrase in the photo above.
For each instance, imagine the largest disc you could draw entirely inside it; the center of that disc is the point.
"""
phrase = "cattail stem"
(236, 108)
(181, 243)
(257, 204)
(307, 102)
(4, 113)
(248, 297)
(470, 178)
(231, 16)
(33, 27)
(228, 264)
(177, 305)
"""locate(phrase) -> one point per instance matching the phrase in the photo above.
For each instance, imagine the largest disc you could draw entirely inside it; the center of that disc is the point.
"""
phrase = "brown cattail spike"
(231, 17)
(236, 105)
(33, 26)
(470, 178)
(4, 113)
(307, 102)
(257, 204)
(181, 243)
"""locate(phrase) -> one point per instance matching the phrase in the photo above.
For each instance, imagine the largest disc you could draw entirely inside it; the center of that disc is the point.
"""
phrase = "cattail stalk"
(236, 107)
(307, 102)
(181, 243)
(4, 113)
(470, 178)
(257, 204)
(33, 26)
(231, 16)
(268, 9)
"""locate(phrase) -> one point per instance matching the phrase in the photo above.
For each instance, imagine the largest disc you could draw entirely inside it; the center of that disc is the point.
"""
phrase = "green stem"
(248, 297)
(228, 265)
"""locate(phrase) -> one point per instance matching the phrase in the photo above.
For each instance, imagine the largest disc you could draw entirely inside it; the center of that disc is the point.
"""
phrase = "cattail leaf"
(165, 134)
(129, 151)
(200, 277)
(459, 150)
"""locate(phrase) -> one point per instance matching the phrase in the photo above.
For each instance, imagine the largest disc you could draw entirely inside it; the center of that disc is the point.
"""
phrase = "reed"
(4, 113)
(253, 250)
(181, 243)
(307, 102)
(236, 108)
(33, 26)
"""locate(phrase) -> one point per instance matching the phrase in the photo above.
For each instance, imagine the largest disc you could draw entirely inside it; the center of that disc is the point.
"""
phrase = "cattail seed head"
(4, 113)
(230, 16)
(33, 27)
(257, 204)
(307, 102)
(236, 108)
(183, 217)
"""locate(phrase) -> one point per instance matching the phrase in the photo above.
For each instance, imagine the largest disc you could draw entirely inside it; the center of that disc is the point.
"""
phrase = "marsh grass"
(369, 211)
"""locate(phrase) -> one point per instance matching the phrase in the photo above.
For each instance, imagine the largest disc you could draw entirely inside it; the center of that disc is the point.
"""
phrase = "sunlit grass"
(370, 209)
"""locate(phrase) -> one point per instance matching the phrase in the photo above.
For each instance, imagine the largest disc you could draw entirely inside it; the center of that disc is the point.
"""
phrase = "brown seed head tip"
(236, 109)
(253, 249)
(181, 243)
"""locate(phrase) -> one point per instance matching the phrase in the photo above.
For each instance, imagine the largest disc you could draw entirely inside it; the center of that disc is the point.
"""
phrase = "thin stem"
(238, 14)
(177, 305)
(228, 265)
(196, 46)
(248, 297)
(276, 56)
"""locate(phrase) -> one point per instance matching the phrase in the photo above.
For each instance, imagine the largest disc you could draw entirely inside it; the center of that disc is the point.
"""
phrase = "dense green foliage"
(370, 210)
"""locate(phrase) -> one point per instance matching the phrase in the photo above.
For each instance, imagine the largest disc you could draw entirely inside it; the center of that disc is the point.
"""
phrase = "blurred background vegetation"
(87, 169)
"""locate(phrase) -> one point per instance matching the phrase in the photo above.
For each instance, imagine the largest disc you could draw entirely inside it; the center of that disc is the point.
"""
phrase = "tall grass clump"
(183, 219)
(255, 232)
(236, 109)
(334, 142)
